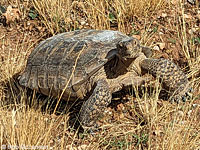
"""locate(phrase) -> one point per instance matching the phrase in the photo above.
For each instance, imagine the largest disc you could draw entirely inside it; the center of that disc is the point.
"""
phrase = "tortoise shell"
(69, 59)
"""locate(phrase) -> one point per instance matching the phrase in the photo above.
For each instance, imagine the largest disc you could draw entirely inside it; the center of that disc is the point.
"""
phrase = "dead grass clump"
(13, 57)
(64, 15)
(20, 127)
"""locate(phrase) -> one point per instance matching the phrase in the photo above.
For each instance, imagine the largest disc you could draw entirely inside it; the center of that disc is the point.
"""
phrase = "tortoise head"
(129, 48)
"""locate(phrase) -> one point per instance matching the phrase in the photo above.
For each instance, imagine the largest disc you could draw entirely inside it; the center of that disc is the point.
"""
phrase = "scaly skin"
(95, 105)
(171, 76)
(169, 73)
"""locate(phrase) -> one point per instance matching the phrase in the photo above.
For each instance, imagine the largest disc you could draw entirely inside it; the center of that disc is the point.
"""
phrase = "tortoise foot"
(95, 105)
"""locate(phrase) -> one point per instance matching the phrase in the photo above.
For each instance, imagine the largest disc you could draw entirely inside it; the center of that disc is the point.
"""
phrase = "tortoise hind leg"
(95, 105)
(171, 75)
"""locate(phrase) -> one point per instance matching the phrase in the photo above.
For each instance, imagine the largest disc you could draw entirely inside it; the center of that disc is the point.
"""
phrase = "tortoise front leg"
(171, 75)
(95, 105)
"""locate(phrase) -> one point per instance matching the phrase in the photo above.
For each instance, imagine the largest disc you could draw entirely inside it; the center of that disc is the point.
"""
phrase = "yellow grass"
(167, 126)
(69, 15)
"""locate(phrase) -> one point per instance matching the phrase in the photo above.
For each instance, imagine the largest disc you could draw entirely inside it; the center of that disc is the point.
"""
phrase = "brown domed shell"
(69, 58)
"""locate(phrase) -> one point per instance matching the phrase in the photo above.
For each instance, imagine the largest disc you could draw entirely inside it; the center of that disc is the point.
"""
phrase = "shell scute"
(81, 53)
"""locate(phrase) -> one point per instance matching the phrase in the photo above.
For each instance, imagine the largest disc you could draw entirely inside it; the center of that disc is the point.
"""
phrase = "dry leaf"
(11, 14)
(136, 36)
(161, 45)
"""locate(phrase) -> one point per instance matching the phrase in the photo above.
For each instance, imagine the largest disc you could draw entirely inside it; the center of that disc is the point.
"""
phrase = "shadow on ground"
(16, 94)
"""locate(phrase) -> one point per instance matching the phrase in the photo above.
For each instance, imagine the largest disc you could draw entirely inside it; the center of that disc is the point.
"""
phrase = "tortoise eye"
(135, 42)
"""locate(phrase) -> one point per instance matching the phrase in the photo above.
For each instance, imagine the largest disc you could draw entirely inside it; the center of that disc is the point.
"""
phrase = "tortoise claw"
(93, 130)
(182, 98)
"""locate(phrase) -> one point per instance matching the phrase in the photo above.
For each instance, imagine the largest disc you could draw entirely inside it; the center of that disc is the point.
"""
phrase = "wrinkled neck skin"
(130, 77)
(135, 66)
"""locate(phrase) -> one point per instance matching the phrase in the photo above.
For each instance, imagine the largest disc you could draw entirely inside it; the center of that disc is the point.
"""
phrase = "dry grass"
(70, 15)
(155, 124)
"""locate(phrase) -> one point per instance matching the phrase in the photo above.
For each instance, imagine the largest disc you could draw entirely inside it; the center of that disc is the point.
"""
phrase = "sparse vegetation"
(145, 121)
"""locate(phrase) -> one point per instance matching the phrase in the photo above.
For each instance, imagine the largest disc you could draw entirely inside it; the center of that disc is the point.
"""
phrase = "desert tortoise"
(98, 62)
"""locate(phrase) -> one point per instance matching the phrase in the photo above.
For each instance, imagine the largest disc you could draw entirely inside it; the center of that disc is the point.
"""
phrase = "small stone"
(156, 48)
